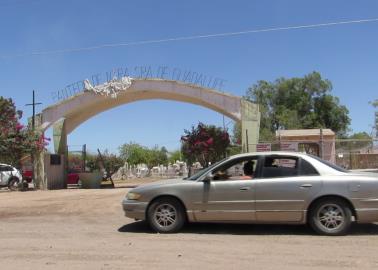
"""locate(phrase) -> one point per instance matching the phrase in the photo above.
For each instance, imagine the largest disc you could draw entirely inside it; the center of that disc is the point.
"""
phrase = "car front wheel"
(331, 217)
(13, 183)
(166, 215)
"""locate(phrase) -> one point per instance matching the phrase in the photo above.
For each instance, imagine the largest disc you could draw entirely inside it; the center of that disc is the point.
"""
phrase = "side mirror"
(208, 178)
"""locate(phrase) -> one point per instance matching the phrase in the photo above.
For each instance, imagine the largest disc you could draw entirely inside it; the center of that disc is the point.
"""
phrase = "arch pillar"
(60, 146)
(46, 174)
(40, 178)
(250, 125)
(60, 137)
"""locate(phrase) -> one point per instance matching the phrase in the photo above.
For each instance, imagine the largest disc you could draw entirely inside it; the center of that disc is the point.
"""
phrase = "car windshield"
(203, 171)
(330, 164)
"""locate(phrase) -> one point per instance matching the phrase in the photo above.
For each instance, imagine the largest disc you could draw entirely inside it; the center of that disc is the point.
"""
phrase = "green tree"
(112, 162)
(92, 162)
(362, 140)
(174, 156)
(234, 149)
(375, 105)
(236, 133)
(355, 142)
(135, 154)
(298, 103)
(205, 144)
(16, 140)
(157, 156)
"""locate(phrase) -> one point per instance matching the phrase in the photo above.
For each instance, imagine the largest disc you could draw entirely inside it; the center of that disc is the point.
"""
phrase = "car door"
(227, 199)
(284, 187)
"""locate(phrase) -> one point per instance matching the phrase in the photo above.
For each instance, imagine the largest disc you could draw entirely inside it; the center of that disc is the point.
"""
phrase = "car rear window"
(330, 164)
(307, 168)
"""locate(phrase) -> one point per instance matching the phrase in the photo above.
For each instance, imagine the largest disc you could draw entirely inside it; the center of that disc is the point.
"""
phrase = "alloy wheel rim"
(331, 217)
(165, 215)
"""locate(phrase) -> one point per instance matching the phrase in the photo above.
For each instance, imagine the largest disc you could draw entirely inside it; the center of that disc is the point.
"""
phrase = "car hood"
(158, 183)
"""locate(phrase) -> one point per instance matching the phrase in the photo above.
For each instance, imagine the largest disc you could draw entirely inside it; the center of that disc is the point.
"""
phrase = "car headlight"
(133, 196)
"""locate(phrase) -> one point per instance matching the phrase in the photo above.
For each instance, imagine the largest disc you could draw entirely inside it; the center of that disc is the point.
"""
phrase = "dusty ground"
(86, 229)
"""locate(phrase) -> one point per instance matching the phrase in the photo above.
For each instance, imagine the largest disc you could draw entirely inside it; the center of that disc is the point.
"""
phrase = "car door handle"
(245, 188)
(306, 186)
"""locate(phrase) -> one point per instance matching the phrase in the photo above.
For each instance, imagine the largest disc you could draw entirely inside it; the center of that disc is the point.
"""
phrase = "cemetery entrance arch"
(68, 114)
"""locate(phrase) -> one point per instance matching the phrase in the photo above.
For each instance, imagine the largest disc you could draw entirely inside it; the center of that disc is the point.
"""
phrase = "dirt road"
(86, 229)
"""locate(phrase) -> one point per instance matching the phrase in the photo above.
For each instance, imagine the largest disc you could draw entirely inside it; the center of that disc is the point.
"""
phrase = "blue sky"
(347, 55)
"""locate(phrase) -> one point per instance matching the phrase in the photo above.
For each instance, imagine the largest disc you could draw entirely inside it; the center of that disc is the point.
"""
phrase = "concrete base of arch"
(42, 167)
(61, 149)
(40, 179)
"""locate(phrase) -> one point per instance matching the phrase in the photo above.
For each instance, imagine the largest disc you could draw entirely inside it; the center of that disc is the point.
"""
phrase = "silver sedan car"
(269, 188)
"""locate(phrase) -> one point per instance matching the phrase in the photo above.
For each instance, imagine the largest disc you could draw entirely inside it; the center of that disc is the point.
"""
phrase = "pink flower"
(19, 127)
(210, 141)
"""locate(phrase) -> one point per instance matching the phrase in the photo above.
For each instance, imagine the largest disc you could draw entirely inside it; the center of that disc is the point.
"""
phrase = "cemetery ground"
(86, 229)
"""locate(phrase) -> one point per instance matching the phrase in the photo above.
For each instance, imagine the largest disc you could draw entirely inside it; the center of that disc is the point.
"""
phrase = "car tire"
(13, 183)
(166, 215)
(23, 186)
(331, 217)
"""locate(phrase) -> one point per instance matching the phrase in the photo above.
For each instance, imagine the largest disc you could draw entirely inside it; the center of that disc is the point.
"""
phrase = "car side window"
(279, 166)
(5, 169)
(307, 169)
(241, 169)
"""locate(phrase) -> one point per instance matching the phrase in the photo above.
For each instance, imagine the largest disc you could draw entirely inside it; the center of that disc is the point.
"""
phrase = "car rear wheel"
(13, 183)
(331, 217)
(166, 215)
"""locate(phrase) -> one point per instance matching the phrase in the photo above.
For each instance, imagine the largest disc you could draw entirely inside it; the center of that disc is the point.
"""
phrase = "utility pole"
(321, 144)
(246, 140)
(84, 156)
(33, 104)
(376, 124)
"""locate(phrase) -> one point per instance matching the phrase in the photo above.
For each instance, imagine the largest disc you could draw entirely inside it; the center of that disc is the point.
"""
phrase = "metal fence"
(350, 154)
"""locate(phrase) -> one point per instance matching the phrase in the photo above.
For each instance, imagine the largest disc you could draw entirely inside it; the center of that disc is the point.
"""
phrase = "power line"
(226, 34)
(20, 2)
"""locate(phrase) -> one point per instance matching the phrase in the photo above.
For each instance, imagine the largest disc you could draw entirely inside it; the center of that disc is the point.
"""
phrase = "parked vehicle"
(275, 187)
(27, 175)
(9, 176)
(72, 177)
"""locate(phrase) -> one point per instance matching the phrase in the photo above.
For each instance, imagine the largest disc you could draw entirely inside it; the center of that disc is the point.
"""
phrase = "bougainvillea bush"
(205, 144)
(16, 140)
